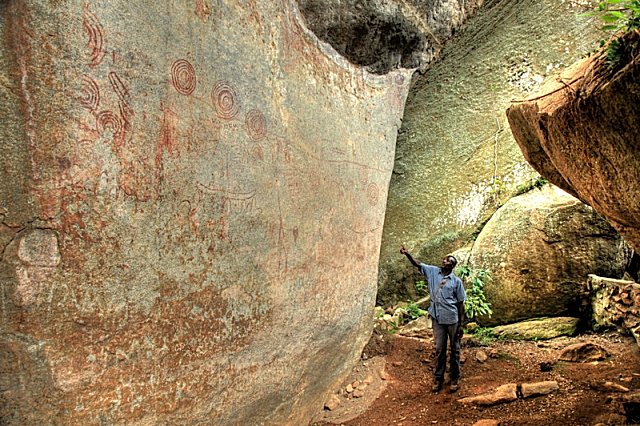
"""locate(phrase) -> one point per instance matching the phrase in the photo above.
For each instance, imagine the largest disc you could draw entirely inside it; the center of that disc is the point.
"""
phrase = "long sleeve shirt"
(446, 292)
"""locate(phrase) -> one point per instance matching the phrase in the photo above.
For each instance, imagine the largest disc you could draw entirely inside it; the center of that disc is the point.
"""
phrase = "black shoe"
(436, 387)
(455, 384)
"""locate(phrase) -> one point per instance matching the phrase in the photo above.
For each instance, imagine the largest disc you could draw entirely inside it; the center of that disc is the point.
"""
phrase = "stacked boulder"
(616, 303)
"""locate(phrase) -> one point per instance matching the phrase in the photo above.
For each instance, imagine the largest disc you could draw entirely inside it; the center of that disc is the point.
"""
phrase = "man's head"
(449, 263)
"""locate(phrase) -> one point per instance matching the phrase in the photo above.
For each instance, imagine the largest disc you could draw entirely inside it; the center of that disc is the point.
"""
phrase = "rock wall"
(192, 197)
(456, 160)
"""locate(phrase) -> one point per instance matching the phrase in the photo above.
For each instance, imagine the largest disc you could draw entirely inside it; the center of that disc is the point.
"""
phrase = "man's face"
(448, 262)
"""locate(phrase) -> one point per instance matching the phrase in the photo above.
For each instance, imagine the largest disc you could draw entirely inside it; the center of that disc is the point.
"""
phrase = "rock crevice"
(382, 35)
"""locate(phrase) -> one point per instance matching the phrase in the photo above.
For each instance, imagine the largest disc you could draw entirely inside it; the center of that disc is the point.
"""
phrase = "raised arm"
(414, 262)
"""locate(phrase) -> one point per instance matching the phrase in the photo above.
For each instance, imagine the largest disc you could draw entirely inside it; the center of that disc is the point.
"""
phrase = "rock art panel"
(176, 209)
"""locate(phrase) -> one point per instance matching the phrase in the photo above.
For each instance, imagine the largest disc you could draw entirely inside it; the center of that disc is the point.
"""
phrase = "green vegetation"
(484, 335)
(497, 187)
(475, 279)
(421, 287)
(535, 183)
(391, 328)
(619, 17)
(412, 312)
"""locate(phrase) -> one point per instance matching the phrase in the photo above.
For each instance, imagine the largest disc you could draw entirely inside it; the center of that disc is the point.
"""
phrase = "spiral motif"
(256, 125)
(90, 94)
(373, 194)
(183, 77)
(95, 43)
(225, 100)
(107, 120)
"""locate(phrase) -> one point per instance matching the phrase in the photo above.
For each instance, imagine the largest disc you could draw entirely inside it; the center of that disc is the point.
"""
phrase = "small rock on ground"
(332, 403)
(487, 422)
(539, 388)
(583, 352)
(481, 356)
(504, 393)
(609, 387)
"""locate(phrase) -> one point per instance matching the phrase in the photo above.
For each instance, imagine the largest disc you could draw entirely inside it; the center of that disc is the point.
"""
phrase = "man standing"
(447, 312)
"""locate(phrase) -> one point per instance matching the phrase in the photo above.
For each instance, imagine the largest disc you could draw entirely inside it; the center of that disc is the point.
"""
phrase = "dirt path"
(401, 395)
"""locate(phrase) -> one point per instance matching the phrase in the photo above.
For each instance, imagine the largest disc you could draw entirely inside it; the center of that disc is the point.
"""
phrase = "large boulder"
(456, 160)
(192, 197)
(538, 329)
(582, 132)
(540, 248)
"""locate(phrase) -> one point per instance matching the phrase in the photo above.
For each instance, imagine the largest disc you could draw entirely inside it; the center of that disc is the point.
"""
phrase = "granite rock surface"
(540, 247)
(192, 197)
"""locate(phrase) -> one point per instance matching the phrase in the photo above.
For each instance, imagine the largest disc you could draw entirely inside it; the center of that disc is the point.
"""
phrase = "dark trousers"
(441, 334)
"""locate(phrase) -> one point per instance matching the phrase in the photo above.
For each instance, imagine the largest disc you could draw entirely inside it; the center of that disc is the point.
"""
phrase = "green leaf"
(611, 17)
(617, 14)
(476, 303)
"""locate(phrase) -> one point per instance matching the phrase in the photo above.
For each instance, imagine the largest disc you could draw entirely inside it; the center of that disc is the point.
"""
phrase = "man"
(447, 313)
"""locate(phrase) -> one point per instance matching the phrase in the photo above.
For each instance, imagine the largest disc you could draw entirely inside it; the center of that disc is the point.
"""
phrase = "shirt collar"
(446, 276)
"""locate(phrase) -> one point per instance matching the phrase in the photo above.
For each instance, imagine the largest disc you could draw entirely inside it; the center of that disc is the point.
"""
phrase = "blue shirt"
(446, 292)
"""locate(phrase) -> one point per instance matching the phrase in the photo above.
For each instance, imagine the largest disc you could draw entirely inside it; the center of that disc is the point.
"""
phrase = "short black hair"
(455, 261)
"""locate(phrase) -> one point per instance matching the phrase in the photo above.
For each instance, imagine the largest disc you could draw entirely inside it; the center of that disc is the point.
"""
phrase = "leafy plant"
(475, 279)
(618, 16)
(616, 51)
(538, 183)
(412, 311)
(421, 286)
(391, 328)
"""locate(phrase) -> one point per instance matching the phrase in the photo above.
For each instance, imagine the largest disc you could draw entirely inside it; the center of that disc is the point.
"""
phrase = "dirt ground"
(395, 381)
